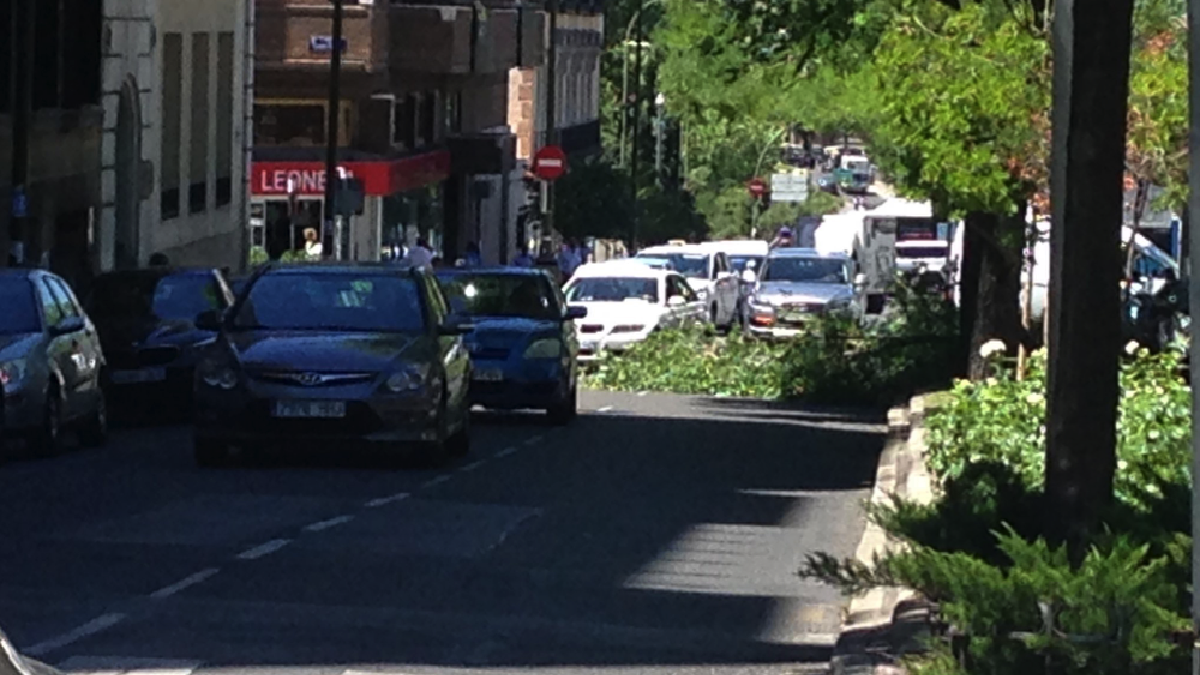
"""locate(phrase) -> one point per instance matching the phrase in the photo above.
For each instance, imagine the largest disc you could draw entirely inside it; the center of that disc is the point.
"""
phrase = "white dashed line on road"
(384, 501)
(97, 625)
(187, 582)
(473, 465)
(433, 482)
(326, 524)
(264, 549)
(507, 451)
(533, 441)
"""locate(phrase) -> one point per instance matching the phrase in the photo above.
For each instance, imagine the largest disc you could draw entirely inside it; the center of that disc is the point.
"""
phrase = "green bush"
(1001, 420)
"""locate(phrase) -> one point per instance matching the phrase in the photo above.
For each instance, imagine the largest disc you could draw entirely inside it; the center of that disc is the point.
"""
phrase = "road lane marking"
(533, 441)
(264, 549)
(473, 465)
(433, 482)
(326, 524)
(117, 665)
(507, 451)
(604, 409)
(97, 625)
(384, 501)
(182, 584)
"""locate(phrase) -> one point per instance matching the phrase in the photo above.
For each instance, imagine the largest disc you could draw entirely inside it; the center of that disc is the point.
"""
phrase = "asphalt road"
(657, 534)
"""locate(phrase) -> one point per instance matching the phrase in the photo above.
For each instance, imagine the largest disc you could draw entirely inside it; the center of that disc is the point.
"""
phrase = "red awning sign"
(379, 178)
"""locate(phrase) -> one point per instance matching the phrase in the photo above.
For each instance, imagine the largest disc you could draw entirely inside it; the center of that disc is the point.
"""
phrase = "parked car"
(50, 363)
(708, 273)
(146, 319)
(524, 346)
(626, 301)
(334, 353)
(797, 284)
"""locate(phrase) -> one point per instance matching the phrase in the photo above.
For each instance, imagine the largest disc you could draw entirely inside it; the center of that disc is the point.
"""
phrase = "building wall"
(190, 149)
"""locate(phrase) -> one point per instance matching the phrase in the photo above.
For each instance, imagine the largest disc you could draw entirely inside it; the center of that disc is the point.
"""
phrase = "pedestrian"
(783, 239)
(312, 244)
(568, 260)
(420, 255)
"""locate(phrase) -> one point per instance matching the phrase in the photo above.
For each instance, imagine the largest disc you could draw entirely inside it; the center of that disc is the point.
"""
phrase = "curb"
(887, 622)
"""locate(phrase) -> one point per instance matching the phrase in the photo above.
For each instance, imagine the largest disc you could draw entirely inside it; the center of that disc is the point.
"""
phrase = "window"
(225, 148)
(452, 117)
(429, 106)
(170, 298)
(47, 45)
(172, 103)
(613, 289)
(289, 124)
(66, 301)
(332, 302)
(50, 309)
(807, 270)
(406, 122)
(198, 171)
(693, 265)
(501, 295)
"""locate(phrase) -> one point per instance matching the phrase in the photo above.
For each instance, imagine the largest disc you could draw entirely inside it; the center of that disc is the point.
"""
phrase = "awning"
(380, 178)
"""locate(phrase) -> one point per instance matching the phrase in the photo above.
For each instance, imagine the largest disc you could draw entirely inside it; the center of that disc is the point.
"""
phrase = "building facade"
(51, 123)
(422, 122)
(176, 83)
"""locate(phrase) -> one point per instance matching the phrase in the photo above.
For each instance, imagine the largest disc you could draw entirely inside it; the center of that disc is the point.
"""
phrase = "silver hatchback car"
(50, 363)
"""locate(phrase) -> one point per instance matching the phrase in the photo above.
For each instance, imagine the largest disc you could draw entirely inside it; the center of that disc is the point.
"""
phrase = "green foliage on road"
(977, 548)
(836, 362)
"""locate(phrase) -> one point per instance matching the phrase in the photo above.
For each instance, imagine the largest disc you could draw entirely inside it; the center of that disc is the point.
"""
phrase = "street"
(655, 534)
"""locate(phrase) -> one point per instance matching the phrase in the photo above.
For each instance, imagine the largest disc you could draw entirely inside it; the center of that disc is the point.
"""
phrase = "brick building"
(423, 120)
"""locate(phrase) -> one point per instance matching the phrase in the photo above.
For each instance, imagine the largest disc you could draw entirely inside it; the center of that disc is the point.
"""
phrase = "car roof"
(336, 267)
(157, 272)
(621, 268)
(651, 251)
(738, 246)
(502, 270)
(806, 253)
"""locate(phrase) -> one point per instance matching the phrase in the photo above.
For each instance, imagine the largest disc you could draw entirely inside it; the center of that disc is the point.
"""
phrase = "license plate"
(489, 375)
(139, 376)
(309, 409)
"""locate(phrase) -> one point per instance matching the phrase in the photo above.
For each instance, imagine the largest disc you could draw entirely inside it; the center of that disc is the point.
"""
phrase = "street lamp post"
(328, 242)
(660, 129)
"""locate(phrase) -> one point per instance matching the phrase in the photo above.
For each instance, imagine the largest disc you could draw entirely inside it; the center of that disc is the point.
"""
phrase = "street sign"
(789, 187)
(757, 187)
(323, 44)
(549, 163)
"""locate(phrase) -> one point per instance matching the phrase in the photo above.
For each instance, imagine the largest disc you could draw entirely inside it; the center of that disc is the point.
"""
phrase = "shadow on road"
(665, 533)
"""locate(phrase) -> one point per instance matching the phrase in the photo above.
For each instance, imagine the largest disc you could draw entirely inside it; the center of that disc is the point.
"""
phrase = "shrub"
(1001, 420)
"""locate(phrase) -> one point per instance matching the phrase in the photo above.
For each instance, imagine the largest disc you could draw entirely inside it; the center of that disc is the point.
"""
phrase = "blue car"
(523, 349)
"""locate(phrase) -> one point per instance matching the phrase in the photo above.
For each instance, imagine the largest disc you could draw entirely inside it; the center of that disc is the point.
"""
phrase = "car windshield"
(655, 263)
(613, 289)
(20, 314)
(738, 262)
(694, 265)
(372, 302)
(501, 295)
(809, 270)
(168, 298)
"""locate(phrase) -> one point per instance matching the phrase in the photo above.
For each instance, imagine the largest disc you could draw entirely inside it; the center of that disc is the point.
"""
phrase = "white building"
(177, 86)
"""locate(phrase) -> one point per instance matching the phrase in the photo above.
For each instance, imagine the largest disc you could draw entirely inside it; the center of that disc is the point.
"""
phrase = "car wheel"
(94, 432)
(566, 408)
(48, 439)
(210, 453)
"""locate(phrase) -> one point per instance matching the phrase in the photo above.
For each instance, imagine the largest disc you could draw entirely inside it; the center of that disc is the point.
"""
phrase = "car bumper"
(509, 386)
(24, 407)
(247, 418)
(777, 332)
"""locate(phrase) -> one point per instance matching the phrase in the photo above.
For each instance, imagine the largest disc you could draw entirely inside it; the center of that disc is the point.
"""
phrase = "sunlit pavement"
(656, 534)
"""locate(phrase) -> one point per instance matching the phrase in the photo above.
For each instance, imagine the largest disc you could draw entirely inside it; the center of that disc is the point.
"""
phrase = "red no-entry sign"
(549, 163)
(756, 187)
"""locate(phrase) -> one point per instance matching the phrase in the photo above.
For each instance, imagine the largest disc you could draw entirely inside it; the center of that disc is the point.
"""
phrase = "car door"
(59, 347)
(725, 287)
(88, 357)
(569, 336)
(455, 360)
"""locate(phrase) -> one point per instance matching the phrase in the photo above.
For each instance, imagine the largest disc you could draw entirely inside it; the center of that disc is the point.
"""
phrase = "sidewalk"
(887, 623)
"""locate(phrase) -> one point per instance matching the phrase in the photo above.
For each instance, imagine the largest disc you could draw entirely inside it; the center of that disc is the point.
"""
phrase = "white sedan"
(626, 301)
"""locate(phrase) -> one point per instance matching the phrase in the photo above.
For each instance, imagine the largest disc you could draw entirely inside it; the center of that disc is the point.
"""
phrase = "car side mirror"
(452, 327)
(676, 301)
(573, 313)
(210, 320)
(67, 326)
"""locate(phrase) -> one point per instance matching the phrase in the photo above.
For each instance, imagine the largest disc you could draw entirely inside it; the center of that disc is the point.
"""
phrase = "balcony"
(456, 39)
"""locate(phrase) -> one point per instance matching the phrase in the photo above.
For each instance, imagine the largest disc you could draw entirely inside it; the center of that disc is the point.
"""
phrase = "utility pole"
(551, 105)
(22, 112)
(1091, 86)
(328, 241)
(635, 153)
(1193, 254)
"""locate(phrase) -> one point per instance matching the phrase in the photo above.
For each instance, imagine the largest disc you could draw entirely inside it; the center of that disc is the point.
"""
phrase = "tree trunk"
(996, 313)
(1091, 83)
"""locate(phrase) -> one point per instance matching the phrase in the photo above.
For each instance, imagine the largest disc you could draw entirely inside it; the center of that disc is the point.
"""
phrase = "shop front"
(287, 198)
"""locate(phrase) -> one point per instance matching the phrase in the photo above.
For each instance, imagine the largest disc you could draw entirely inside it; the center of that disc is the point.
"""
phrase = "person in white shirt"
(420, 255)
(312, 245)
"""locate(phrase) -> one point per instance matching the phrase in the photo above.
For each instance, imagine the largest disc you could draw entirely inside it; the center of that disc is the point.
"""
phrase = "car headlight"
(546, 348)
(13, 372)
(630, 328)
(218, 374)
(410, 378)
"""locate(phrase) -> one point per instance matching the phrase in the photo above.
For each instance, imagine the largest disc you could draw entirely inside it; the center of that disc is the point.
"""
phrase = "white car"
(626, 301)
(708, 273)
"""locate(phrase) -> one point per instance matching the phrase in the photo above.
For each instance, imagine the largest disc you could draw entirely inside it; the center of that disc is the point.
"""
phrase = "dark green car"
(328, 355)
